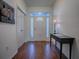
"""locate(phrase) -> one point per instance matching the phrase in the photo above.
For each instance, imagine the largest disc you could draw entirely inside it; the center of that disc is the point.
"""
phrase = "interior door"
(20, 27)
(39, 28)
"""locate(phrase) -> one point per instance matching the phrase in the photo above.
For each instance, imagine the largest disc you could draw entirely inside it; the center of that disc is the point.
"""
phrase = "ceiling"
(39, 3)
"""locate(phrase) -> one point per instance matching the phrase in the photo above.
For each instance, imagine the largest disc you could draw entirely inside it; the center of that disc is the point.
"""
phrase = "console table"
(62, 39)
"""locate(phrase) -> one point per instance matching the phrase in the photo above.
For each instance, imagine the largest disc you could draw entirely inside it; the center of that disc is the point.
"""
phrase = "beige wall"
(67, 12)
(41, 9)
(8, 42)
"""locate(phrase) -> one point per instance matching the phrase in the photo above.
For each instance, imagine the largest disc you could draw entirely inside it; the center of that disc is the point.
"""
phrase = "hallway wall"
(8, 41)
(67, 11)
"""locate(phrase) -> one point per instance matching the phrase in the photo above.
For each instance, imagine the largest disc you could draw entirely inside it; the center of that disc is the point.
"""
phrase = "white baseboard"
(14, 54)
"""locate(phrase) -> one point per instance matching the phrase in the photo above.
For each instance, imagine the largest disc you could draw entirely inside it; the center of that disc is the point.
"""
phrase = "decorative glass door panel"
(39, 27)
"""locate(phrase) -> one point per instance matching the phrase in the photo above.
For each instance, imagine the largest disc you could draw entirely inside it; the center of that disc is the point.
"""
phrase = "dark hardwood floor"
(37, 50)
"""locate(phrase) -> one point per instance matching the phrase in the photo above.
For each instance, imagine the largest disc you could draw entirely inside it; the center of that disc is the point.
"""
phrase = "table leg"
(60, 50)
(50, 41)
(70, 51)
(55, 43)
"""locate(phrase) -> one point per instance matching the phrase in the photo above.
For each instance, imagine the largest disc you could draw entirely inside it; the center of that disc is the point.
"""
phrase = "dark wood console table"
(62, 39)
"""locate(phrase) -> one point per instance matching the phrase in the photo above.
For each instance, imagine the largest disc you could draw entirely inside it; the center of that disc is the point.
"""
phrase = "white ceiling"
(39, 3)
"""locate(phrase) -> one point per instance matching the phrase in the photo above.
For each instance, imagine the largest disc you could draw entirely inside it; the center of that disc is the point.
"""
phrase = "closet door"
(20, 27)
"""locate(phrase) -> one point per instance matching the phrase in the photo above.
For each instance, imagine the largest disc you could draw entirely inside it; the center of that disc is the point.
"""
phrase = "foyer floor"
(37, 50)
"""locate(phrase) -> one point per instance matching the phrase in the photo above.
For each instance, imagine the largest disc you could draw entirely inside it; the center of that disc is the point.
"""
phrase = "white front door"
(39, 28)
(20, 27)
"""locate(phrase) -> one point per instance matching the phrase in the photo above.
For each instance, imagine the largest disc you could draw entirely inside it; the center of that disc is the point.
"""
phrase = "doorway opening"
(39, 26)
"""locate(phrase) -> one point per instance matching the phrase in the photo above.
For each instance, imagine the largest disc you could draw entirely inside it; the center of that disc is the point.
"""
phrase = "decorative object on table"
(54, 21)
(56, 25)
(6, 13)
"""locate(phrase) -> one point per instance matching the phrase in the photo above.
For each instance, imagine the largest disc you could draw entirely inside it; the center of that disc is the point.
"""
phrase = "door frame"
(32, 26)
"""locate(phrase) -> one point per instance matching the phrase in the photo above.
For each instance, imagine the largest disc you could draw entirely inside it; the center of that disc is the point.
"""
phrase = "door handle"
(22, 30)
(34, 28)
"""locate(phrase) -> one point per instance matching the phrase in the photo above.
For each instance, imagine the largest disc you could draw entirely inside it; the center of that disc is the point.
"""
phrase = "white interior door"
(20, 27)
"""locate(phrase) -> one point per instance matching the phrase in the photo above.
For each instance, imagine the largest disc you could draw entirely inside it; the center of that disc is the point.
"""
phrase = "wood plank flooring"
(37, 50)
